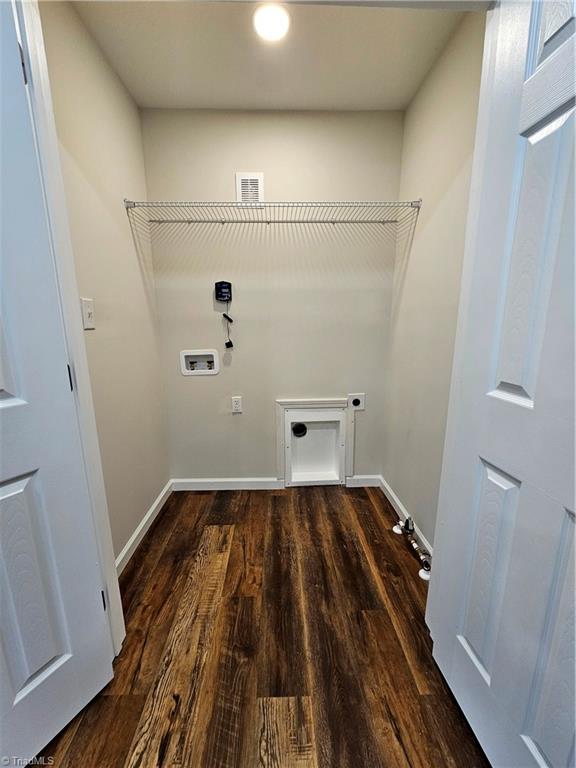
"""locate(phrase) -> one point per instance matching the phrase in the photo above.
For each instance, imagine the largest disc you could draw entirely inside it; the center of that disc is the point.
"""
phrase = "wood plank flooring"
(273, 629)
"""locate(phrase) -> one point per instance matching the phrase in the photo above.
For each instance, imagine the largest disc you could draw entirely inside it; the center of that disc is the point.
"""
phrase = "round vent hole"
(299, 429)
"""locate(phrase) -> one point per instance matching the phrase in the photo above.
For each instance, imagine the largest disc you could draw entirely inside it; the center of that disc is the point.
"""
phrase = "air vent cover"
(249, 187)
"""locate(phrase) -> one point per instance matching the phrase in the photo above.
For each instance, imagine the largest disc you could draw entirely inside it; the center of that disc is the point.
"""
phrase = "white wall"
(437, 150)
(311, 304)
(318, 312)
(100, 141)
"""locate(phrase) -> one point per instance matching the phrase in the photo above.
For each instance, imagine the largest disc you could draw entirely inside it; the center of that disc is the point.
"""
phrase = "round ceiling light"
(271, 22)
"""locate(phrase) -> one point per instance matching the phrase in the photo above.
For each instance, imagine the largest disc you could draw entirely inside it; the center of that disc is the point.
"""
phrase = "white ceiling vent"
(249, 187)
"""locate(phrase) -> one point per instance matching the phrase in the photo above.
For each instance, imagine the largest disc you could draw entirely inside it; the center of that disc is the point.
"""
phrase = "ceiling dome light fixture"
(271, 22)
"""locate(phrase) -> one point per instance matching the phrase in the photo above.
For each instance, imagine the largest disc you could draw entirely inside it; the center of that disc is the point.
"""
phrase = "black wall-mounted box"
(223, 291)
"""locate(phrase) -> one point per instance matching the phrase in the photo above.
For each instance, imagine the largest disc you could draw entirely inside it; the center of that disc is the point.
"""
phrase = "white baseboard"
(226, 483)
(248, 484)
(130, 546)
(403, 513)
(364, 481)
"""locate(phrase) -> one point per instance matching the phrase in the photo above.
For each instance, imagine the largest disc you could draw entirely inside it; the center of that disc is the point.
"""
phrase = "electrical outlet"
(236, 404)
(357, 401)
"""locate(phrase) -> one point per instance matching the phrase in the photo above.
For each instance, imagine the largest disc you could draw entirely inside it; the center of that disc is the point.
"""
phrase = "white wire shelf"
(386, 214)
(156, 224)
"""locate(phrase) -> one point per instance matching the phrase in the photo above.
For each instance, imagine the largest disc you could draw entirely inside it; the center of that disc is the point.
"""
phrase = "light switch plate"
(88, 318)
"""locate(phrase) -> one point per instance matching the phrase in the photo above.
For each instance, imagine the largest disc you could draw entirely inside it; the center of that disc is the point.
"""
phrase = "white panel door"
(501, 603)
(55, 649)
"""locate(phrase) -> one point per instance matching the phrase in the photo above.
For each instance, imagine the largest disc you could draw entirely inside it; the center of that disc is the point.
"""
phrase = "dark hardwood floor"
(273, 628)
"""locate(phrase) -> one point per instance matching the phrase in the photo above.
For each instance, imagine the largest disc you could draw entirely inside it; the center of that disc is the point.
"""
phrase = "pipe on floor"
(406, 528)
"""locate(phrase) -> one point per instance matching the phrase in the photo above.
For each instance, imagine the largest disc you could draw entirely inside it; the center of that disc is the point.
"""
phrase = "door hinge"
(70, 379)
(23, 63)
(103, 598)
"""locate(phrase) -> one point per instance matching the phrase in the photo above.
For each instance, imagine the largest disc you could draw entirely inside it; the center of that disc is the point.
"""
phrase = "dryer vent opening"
(299, 429)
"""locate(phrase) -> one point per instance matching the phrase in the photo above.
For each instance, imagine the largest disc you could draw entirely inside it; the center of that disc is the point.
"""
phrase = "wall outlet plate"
(357, 401)
(236, 403)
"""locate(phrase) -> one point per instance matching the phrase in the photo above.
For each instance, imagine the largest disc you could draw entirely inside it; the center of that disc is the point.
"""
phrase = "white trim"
(142, 529)
(403, 513)
(364, 481)
(280, 447)
(226, 483)
(350, 441)
(313, 402)
(45, 128)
